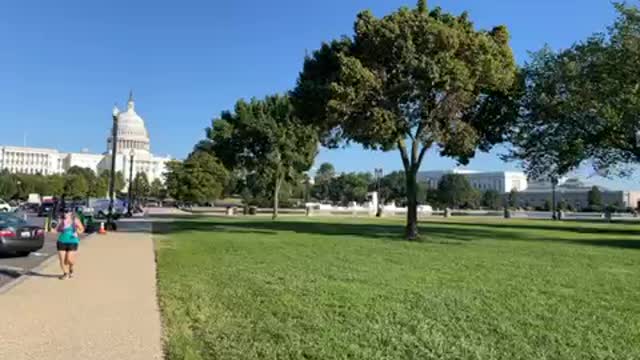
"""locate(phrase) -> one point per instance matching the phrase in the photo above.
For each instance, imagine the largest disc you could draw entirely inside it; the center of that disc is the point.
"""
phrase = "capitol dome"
(132, 134)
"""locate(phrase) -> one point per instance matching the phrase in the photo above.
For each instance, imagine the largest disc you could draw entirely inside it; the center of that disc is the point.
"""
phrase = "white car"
(4, 207)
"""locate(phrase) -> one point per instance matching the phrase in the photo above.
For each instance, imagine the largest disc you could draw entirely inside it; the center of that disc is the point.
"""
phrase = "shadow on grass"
(575, 226)
(434, 232)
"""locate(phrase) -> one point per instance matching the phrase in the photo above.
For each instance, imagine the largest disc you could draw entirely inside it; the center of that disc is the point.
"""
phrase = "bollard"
(608, 215)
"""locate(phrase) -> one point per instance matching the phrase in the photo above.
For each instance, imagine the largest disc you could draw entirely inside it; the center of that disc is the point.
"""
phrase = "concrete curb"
(25, 274)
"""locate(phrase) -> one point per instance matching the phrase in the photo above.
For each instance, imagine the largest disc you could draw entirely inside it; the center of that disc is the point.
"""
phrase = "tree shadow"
(163, 228)
(433, 232)
(575, 226)
(38, 274)
(11, 273)
(15, 273)
(9, 255)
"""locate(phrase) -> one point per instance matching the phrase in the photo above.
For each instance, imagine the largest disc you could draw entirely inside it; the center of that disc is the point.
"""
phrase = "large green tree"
(55, 185)
(350, 187)
(75, 187)
(455, 191)
(263, 136)
(119, 183)
(594, 198)
(550, 137)
(322, 180)
(491, 199)
(98, 187)
(198, 180)
(580, 105)
(393, 187)
(412, 80)
(141, 187)
(607, 67)
(8, 187)
(173, 180)
(158, 190)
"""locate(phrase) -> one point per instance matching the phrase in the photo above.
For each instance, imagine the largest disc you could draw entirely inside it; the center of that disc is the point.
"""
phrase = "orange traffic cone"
(102, 230)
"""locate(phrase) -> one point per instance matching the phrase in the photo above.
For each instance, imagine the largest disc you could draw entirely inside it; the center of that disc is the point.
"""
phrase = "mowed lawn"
(250, 288)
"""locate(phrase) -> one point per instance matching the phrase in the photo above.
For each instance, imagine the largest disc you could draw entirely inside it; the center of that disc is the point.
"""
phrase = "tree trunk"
(411, 161)
(411, 231)
(276, 198)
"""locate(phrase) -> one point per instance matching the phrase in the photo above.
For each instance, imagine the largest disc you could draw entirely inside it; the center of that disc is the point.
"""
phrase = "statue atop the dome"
(130, 103)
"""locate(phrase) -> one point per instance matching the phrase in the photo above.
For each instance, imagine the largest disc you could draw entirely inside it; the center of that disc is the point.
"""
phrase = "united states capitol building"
(132, 142)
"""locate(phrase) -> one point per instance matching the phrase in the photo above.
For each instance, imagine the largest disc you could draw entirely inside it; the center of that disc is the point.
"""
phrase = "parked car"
(45, 208)
(100, 208)
(17, 236)
(5, 207)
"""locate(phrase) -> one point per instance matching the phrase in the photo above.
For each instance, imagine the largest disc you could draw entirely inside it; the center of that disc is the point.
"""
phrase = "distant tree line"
(76, 183)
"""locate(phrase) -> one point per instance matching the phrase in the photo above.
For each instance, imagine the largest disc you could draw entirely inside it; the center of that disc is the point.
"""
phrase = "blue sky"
(65, 63)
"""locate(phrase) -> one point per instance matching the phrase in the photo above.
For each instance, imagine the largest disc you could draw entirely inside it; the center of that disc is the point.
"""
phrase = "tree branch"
(420, 129)
(423, 151)
(403, 154)
(414, 152)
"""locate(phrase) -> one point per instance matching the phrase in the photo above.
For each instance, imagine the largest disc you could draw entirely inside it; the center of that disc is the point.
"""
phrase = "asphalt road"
(11, 266)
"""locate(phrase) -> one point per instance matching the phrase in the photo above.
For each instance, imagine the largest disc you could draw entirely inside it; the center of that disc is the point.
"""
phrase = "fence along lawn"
(338, 289)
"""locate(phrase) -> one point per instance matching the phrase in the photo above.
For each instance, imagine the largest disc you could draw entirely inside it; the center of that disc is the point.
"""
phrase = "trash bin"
(253, 210)
(89, 224)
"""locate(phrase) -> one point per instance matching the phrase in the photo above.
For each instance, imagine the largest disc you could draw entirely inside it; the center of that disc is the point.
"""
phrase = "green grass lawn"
(351, 289)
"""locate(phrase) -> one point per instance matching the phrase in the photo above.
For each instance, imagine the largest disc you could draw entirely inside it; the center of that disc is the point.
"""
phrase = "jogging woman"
(68, 240)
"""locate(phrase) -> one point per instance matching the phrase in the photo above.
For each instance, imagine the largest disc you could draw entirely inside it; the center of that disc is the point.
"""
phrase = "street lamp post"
(554, 201)
(129, 203)
(111, 225)
(378, 175)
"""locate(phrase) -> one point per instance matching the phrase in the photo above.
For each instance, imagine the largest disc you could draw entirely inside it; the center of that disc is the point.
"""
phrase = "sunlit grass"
(352, 289)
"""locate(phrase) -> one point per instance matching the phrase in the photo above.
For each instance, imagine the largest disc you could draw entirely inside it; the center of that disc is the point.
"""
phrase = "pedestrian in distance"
(69, 229)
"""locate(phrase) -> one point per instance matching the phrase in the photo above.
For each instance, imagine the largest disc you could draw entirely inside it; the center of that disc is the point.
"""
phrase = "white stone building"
(501, 181)
(27, 160)
(575, 193)
(133, 139)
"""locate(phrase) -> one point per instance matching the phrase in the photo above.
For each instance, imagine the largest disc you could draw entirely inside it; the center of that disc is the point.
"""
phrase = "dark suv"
(45, 208)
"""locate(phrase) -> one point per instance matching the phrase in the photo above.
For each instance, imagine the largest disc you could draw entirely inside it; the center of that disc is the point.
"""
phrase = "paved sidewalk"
(107, 311)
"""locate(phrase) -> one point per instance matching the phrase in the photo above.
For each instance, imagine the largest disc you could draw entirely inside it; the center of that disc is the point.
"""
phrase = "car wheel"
(23, 253)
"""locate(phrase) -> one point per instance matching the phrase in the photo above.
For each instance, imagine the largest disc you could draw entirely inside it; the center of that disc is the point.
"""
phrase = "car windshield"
(7, 220)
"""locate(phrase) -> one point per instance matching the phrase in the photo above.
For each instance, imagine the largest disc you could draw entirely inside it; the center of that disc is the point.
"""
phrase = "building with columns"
(133, 142)
(500, 181)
